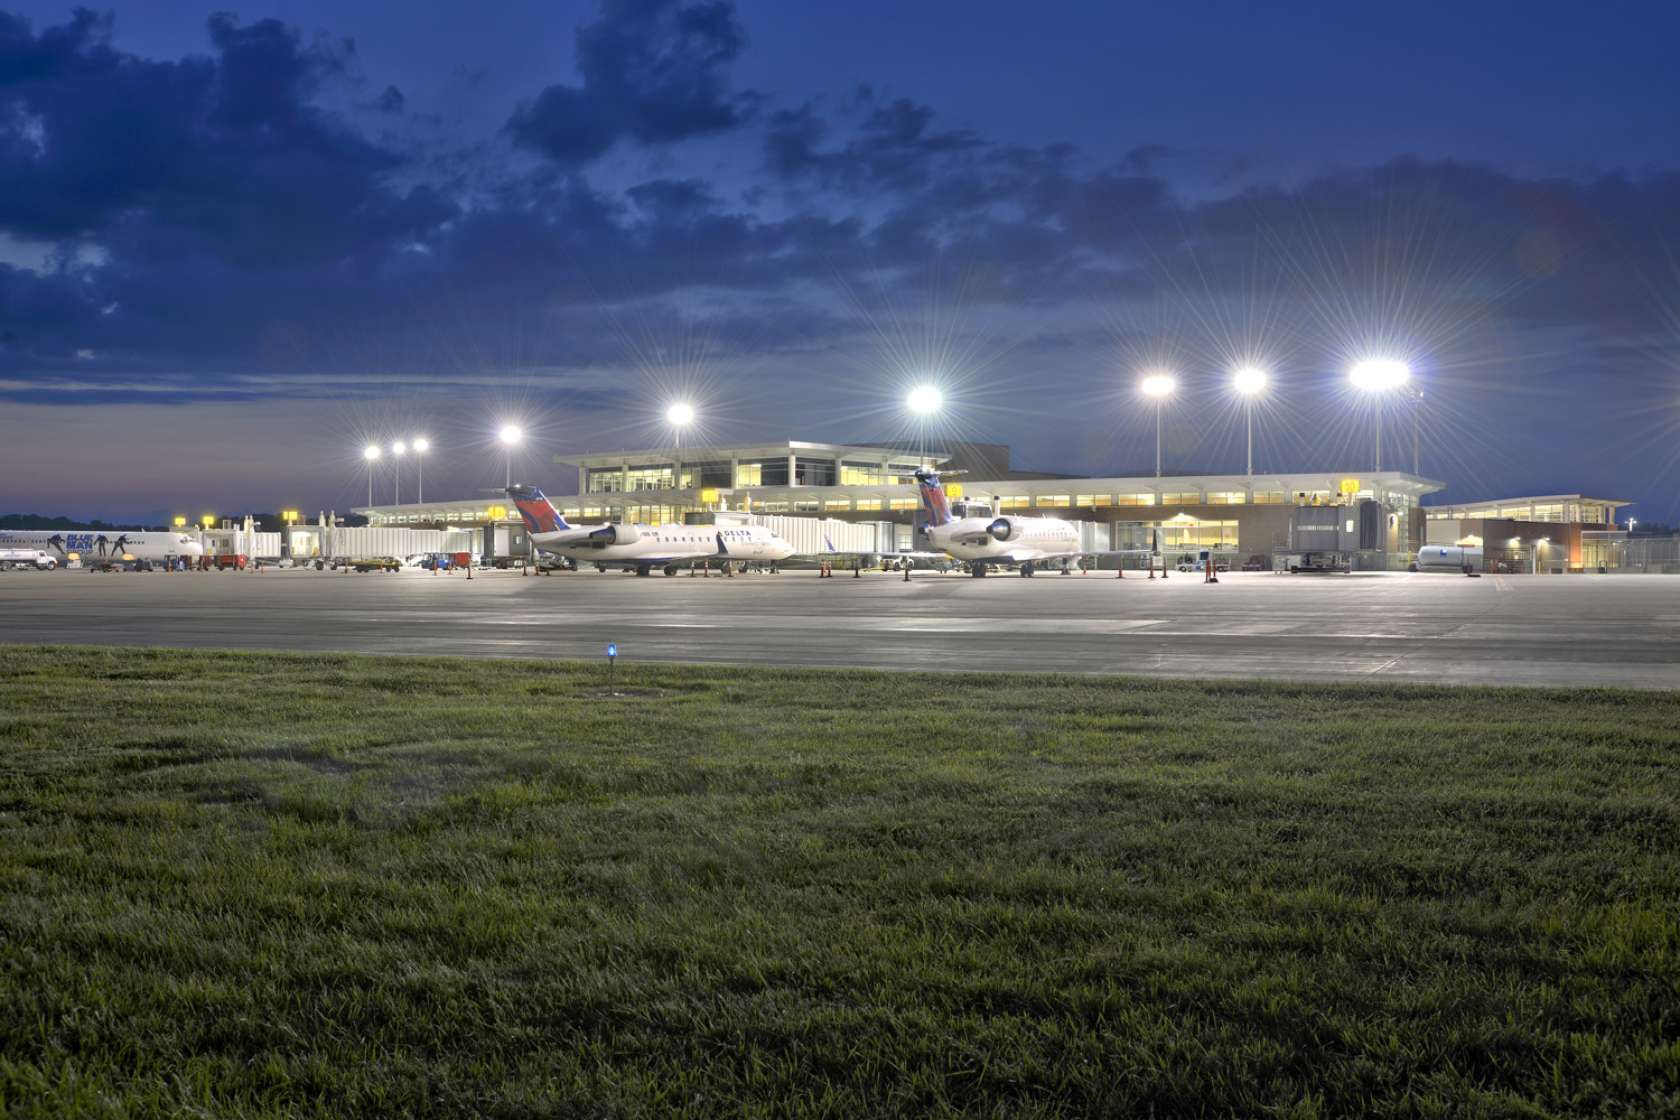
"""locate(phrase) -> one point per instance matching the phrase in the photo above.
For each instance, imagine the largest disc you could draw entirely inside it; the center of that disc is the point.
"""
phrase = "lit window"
(1051, 501)
(837, 503)
(1182, 498)
(866, 504)
(749, 474)
(1093, 500)
(1268, 497)
(901, 503)
(1013, 501)
(1227, 498)
(805, 507)
(1136, 500)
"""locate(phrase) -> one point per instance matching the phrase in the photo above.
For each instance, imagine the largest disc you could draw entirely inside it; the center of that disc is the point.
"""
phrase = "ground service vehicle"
(376, 564)
(27, 558)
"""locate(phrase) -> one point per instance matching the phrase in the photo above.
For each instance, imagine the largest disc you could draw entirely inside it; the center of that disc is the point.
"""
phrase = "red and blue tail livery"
(538, 512)
(934, 504)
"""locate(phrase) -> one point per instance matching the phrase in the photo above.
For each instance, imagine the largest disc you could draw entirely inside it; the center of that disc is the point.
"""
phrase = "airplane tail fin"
(536, 511)
(936, 508)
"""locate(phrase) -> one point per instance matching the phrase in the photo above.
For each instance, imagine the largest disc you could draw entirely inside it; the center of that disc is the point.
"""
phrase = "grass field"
(273, 885)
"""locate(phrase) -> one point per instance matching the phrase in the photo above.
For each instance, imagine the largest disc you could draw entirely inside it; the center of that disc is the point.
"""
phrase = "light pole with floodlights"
(397, 451)
(1158, 386)
(1378, 376)
(1250, 381)
(421, 445)
(370, 454)
(680, 415)
(509, 435)
(924, 401)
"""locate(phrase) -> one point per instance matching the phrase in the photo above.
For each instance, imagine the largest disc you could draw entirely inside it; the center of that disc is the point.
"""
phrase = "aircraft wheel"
(1412, 567)
(670, 569)
(1027, 570)
(644, 570)
(977, 570)
(600, 567)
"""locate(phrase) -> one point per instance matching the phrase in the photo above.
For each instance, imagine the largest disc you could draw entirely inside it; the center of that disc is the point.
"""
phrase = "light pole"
(680, 415)
(510, 435)
(1158, 386)
(397, 450)
(1250, 381)
(1378, 376)
(371, 454)
(421, 445)
(924, 401)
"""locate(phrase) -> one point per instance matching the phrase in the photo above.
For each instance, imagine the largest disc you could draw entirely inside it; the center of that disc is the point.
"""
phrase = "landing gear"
(670, 569)
(644, 569)
(600, 567)
(977, 570)
(1027, 570)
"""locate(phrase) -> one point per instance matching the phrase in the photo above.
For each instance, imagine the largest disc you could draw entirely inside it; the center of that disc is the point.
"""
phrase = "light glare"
(1379, 375)
(1158, 385)
(680, 414)
(422, 444)
(1249, 380)
(510, 434)
(370, 452)
(399, 447)
(924, 399)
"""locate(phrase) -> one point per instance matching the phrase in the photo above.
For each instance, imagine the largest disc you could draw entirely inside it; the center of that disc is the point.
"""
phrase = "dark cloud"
(654, 71)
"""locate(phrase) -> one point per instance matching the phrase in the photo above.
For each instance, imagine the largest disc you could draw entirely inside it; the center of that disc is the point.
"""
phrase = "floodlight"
(1249, 380)
(510, 434)
(1379, 375)
(924, 400)
(680, 414)
(399, 447)
(370, 452)
(422, 444)
(1158, 385)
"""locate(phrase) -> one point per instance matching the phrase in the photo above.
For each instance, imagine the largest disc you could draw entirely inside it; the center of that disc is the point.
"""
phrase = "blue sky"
(234, 248)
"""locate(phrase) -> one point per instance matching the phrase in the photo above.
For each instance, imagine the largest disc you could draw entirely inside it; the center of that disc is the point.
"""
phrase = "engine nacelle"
(1006, 529)
(614, 534)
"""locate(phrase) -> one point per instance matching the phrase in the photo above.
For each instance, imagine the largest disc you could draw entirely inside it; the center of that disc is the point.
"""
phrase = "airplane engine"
(1004, 529)
(615, 534)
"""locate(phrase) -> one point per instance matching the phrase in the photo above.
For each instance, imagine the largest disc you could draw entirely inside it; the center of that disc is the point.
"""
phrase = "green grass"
(273, 885)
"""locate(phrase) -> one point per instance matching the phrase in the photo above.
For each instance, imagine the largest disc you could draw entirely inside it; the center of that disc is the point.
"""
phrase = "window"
(1093, 500)
(1182, 498)
(1311, 497)
(867, 504)
(1136, 500)
(814, 472)
(1051, 501)
(1199, 534)
(1552, 512)
(837, 504)
(773, 507)
(1227, 498)
(805, 507)
(863, 474)
(1012, 501)
(1268, 497)
(608, 480)
(749, 474)
(899, 503)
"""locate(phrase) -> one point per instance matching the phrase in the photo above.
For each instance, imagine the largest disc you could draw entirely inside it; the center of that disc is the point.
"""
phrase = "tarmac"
(1568, 631)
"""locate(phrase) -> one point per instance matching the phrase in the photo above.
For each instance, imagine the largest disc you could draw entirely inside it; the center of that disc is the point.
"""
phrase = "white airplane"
(1024, 543)
(105, 548)
(642, 547)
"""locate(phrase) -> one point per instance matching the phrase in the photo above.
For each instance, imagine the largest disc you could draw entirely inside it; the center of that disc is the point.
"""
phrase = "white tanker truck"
(1448, 558)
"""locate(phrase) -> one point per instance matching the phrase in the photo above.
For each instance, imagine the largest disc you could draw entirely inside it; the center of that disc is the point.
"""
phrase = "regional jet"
(641, 547)
(1023, 543)
(103, 548)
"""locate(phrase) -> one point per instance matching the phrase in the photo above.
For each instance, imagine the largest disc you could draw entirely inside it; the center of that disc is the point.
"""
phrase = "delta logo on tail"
(537, 511)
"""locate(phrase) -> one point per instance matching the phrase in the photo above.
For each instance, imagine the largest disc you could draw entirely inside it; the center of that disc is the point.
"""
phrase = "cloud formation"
(654, 72)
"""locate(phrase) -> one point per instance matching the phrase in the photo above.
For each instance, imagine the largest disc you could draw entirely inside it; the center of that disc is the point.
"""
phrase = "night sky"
(235, 248)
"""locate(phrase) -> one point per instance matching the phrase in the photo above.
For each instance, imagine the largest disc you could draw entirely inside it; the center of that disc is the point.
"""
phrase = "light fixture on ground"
(1158, 387)
(679, 415)
(370, 454)
(1379, 376)
(421, 445)
(509, 435)
(1250, 381)
(924, 402)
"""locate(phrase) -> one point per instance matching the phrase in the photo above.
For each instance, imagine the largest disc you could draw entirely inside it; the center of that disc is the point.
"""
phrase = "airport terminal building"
(1237, 516)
